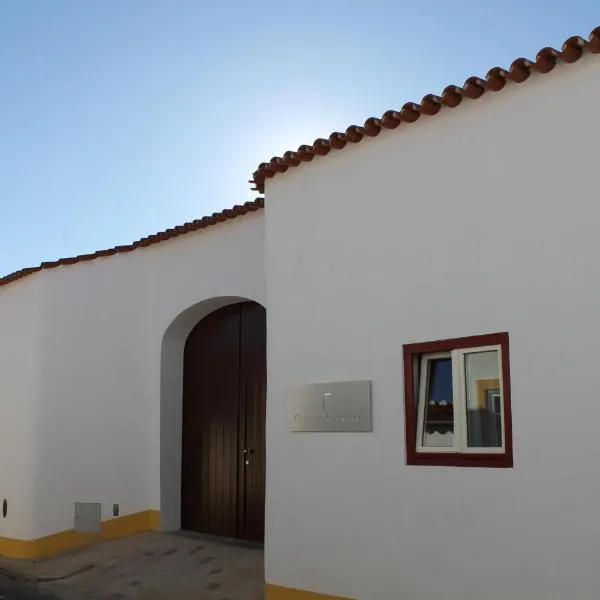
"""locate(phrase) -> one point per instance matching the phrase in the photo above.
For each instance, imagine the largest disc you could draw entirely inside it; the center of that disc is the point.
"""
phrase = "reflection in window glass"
(484, 401)
(438, 422)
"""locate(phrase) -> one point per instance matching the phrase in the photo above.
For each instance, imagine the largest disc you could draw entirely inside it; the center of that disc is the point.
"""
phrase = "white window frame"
(459, 393)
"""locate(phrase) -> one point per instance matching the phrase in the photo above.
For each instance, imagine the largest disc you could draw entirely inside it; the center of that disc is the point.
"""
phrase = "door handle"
(247, 452)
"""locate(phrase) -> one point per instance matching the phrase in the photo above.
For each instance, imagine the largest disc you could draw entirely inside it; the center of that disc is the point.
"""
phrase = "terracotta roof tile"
(473, 88)
(225, 215)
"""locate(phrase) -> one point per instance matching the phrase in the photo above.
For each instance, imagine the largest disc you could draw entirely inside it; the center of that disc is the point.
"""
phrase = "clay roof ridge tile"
(474, 87)
(224, 215)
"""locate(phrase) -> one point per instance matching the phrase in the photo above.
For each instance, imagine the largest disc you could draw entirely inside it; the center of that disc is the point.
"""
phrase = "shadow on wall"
(171, 394)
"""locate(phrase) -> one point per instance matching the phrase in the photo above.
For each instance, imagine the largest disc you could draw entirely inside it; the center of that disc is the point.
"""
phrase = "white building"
(477, 477)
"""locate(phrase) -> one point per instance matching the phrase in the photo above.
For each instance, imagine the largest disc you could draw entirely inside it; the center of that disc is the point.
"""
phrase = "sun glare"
(284, 135)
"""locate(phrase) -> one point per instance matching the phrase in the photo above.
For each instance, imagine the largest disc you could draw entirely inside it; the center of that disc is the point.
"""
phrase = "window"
(457, 402)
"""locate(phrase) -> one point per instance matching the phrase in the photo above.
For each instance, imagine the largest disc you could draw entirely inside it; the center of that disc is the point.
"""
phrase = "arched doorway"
(223, 432)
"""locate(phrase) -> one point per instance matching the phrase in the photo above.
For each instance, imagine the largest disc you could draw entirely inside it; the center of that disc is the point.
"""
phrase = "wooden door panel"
(210, 432)
(252, 487)
(253, 381)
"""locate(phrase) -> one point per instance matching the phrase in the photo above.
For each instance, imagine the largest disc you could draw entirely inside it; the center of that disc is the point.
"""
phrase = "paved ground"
(148, 566)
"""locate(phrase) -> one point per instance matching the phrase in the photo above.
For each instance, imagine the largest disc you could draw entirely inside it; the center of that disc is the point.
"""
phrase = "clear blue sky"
(119, 118)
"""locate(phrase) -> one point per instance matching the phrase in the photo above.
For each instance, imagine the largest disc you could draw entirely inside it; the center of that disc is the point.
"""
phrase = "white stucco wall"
(19, 388)
(97, 416)
(481, 219)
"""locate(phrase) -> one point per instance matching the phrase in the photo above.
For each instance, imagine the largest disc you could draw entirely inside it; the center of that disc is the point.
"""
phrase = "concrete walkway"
(150, 566)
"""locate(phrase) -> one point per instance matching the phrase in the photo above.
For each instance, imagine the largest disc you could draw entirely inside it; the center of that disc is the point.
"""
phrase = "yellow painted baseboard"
(147, 520)
(277, 592)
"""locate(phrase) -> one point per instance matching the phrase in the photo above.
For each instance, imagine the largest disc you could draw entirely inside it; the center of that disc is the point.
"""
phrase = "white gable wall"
(98, 367)
(478, 220)
(19, 389)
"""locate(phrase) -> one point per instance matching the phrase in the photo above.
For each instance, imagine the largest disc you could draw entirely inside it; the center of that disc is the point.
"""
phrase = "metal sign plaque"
(338, 406)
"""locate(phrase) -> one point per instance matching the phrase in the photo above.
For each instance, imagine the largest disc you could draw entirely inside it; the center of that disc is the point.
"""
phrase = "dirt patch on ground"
(148, 566)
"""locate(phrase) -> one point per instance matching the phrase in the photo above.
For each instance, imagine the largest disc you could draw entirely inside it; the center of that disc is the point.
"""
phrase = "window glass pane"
(484, 402)
(438, 425)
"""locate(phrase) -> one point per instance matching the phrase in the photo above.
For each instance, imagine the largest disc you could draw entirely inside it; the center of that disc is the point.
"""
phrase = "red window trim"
(458, 459)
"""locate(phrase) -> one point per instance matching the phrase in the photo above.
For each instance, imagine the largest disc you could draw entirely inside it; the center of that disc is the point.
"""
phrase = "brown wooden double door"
(224, 401)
